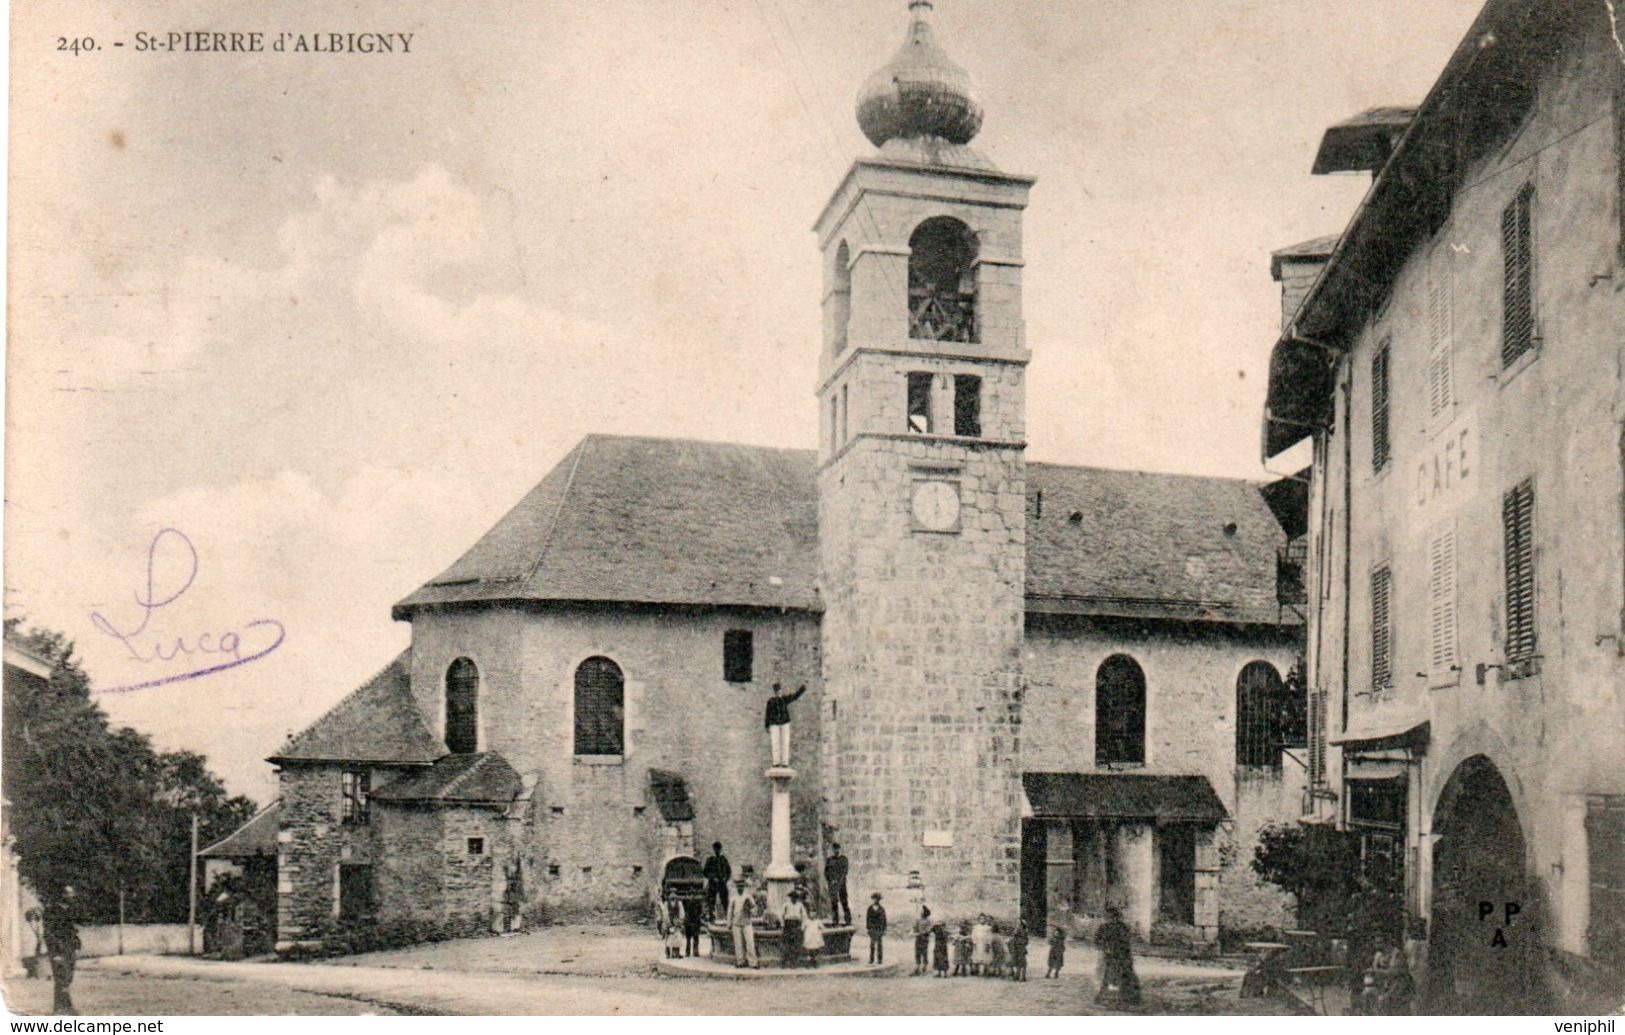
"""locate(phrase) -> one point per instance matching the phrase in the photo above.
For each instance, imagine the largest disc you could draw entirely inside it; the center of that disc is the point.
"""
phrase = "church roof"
(377, 722)
(482, 778)
(646, 520)
(651, 520)
(1141, 545)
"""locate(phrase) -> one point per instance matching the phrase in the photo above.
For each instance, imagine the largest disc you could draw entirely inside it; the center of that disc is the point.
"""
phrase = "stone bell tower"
(922, 495)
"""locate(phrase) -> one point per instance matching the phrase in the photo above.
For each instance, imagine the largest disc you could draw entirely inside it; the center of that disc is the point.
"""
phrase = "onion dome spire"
(921, 92)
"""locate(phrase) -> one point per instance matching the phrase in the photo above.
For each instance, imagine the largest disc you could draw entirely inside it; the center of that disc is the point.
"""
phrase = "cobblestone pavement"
(606, 970)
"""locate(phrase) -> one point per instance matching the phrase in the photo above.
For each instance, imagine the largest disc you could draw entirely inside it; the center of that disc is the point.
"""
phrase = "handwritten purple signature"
(209, 649)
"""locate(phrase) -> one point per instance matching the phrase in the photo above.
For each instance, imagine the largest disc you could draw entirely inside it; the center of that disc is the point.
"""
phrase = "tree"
(96, 807)
(1337, 893)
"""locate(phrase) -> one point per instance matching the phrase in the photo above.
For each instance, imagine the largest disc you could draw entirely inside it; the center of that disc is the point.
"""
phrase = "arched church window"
(1260, 715)
(1119, 712)
(840, 298)
(462, 707)
(600, 701)
(942, 281)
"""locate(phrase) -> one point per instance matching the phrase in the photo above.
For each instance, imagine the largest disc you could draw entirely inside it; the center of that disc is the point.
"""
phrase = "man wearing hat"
(875, 921)
(741, 910)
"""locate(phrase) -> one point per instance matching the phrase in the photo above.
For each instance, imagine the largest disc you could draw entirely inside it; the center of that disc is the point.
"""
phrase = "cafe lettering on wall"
(1446, 471)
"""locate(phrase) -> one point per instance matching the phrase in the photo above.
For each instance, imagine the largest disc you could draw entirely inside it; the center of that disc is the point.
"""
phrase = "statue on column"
(778, 722)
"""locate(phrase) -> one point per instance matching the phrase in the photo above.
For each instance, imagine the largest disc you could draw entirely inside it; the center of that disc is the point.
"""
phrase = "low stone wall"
(103, 939)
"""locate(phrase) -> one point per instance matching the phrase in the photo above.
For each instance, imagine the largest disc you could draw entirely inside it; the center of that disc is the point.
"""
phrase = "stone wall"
(597, 844)
(312, 842)
(1191, 673)
(922, 638)
(1555, 731)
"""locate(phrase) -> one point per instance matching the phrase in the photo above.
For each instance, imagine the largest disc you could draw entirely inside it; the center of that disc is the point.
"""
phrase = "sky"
(289, 331)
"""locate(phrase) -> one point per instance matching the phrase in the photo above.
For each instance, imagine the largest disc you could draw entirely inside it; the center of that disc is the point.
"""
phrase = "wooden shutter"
(1317, 737)
(1442, 603)
(1382, 635)
(1441, 333)
(1518, 317)
(1518, 525)
(1379, 407)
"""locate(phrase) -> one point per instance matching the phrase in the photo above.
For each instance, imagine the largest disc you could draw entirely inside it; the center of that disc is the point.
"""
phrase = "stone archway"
(1484, 951)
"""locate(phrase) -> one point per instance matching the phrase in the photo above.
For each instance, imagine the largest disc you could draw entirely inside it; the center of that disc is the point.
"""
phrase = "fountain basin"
(770, 945)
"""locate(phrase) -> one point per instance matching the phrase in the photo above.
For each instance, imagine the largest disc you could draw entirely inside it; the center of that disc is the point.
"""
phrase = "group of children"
(979, 950)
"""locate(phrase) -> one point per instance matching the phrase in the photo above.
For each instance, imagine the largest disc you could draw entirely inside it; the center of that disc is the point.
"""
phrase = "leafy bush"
(1336, 896)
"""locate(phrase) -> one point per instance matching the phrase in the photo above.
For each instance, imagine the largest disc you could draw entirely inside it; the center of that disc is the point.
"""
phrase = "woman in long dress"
(1118, 983)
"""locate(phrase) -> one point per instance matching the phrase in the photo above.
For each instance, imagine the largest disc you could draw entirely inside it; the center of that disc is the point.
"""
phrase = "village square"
(906, 721)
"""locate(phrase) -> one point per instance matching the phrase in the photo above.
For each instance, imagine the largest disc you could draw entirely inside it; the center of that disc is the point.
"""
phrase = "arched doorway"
(1484, 953)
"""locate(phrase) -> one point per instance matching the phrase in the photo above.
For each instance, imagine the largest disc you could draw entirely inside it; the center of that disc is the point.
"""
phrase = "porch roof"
(1165, 799)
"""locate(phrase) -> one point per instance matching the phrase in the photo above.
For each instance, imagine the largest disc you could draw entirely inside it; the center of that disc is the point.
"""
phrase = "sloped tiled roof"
(1150, 545)
(257, 837)
(651, 521)
(1314, 248)
(1168, 799)
(673, 521)
(482, 778)
(377, 722)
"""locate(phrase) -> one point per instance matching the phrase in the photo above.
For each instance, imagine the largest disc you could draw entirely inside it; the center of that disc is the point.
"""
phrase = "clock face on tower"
(935, 505)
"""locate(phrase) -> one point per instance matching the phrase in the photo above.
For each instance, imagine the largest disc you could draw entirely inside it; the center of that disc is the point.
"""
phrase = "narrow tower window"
(919, 403)
(942, 281)
(840, 298)
(968, 405)
(462, 707)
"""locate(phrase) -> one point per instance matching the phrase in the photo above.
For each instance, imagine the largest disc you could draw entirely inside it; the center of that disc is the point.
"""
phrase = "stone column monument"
(781, 872)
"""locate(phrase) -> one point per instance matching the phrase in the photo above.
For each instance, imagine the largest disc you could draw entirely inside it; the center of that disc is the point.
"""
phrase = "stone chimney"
(1295, 269)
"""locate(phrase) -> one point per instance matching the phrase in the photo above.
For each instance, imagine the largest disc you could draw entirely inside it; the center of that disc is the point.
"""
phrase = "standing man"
(835, 868)
(717, 872)
(778, 722)
(741, 911)
(875, 922)
(62, 942)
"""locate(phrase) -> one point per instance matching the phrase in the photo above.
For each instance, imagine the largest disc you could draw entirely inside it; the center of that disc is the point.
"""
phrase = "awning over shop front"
(1411, 737)
(1163, 799)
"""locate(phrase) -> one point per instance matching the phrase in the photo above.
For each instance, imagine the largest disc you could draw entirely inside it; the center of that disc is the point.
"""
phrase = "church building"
(1032, 689)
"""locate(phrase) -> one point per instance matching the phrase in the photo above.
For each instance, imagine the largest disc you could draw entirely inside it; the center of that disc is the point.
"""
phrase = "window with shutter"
(1517, 286)
(1379, 407)
(1441, 333)
(1317, 737)
(1442, 606)
(1518, 525)
(355, 785)
(1382, 633)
